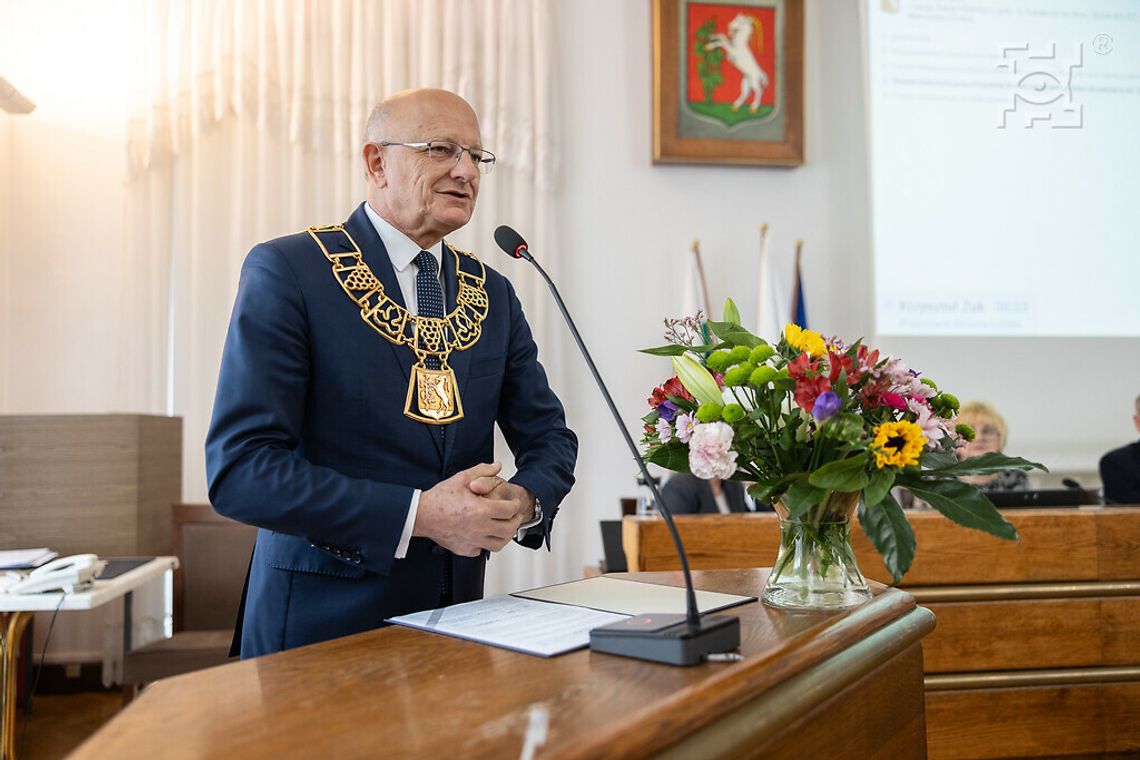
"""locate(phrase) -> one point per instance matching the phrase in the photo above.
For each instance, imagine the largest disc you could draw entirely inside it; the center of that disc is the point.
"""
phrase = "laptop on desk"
(1049, 497)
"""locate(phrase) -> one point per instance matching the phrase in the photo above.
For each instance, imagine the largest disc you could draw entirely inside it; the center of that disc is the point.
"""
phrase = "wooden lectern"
(841, 684)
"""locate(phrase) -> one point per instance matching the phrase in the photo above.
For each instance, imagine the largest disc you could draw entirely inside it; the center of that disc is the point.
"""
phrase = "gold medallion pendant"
(433, 394)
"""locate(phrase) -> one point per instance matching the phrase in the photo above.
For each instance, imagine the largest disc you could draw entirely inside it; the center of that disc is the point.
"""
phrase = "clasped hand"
(473, 510)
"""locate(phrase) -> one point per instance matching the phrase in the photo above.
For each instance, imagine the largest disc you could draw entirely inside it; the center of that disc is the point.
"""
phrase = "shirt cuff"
(406, 536)
(536, 521)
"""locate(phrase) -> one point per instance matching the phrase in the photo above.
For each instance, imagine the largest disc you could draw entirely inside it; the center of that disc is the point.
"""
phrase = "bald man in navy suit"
(364, 371)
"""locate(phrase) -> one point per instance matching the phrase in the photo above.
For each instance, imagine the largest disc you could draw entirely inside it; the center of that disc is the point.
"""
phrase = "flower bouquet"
(821, 430)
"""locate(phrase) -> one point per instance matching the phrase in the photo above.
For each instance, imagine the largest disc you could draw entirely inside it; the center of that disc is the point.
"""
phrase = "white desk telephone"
(68, 574)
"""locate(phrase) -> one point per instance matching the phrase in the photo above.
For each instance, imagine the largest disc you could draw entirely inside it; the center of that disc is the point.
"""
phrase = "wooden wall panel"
(89, 483)
(1033, 634)
(1041, 721)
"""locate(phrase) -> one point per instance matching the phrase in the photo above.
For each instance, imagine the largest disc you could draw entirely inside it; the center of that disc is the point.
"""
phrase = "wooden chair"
(214, 554)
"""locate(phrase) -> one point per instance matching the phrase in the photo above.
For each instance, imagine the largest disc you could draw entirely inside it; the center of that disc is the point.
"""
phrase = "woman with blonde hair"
(990, 433)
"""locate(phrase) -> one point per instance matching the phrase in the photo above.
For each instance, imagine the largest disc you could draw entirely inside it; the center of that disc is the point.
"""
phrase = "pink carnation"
(710, 451)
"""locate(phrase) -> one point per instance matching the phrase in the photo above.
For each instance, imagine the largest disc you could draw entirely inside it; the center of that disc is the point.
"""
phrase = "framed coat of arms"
(728, 82)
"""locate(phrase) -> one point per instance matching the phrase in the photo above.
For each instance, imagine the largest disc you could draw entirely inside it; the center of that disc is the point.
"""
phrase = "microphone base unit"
(667, 638)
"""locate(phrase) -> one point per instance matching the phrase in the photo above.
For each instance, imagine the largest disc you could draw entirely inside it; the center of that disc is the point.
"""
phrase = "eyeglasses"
(446, 150)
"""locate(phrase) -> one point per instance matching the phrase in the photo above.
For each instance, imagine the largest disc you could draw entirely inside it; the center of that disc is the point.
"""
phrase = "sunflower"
(897, 444)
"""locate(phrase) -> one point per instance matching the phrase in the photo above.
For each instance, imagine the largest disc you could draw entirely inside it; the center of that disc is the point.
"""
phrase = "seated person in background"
(990, 434)
(1120, 470)
(686, 494)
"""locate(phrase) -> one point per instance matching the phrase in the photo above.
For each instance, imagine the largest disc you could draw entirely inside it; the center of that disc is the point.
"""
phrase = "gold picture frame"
(728, 82)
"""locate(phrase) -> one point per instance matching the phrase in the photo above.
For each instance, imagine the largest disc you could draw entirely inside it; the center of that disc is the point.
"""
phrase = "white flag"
(771, 303)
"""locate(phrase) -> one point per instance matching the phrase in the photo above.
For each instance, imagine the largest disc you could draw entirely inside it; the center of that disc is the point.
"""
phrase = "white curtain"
(246, 123)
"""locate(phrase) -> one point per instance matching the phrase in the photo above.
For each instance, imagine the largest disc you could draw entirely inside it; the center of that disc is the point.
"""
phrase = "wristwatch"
(536, 520)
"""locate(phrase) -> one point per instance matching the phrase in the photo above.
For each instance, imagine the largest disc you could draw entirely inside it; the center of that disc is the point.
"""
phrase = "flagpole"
(702, 285)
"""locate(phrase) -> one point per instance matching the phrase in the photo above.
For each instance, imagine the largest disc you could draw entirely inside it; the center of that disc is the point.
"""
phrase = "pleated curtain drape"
(246, 122)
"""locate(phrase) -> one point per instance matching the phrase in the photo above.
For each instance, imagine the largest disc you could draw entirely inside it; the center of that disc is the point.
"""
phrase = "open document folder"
(556, 619)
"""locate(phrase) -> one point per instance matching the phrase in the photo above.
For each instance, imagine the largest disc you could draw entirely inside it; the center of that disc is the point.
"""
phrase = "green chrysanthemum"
(761, 353)
(761, 376)
(965, 431)
(739, 354)
(739, 374)
(732, 413)
(709, 412)
(718, 361)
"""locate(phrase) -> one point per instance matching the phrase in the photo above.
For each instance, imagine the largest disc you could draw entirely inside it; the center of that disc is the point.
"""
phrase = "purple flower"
(664, 431)
(826, 405)
(667, 411)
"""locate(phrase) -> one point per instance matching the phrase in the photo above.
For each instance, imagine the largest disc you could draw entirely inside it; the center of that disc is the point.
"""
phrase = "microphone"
(674, 639)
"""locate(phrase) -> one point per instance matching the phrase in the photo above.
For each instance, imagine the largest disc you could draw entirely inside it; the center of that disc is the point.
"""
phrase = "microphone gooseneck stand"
(675, 639)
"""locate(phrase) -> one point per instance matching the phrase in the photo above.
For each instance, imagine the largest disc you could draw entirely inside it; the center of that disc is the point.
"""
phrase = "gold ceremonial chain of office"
(433, 396)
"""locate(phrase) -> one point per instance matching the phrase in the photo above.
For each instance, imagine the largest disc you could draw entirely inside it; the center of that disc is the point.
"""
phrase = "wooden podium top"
(398, 692)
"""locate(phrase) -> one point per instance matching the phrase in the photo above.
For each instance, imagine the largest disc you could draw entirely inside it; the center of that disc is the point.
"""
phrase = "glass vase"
(816, 567)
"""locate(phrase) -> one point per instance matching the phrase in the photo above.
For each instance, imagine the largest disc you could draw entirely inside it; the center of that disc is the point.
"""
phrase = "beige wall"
(67, 269)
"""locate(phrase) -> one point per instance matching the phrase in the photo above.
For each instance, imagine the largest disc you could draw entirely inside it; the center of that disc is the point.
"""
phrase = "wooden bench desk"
(1037, 647)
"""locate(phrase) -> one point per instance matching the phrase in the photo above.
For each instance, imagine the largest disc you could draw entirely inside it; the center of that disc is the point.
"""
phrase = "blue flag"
(799, 304)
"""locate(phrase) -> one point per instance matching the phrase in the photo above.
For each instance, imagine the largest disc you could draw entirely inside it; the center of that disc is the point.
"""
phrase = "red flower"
(894, 400)
(840, 362)
(671, 387)
(808, 390)
(803, 366)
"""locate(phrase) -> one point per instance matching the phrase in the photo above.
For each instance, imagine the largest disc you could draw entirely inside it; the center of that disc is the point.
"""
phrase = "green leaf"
(801, 497)
(731, 313)
(734, 334)
(939, 459)
(879, 487)
(673, 455)
(842, 474)
(961, 502)
(983, 464)
(671, 349)
(890, 533)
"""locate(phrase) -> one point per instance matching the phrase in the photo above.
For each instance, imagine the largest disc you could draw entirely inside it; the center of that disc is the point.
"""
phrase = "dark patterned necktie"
(429, 298)
(429, 303)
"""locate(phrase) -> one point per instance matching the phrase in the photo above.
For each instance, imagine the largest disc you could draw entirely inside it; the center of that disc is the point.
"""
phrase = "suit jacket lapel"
(360, 227)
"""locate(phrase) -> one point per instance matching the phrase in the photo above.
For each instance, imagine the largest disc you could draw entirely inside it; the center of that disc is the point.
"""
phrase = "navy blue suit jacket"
(309, 442)
(1120, 475)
